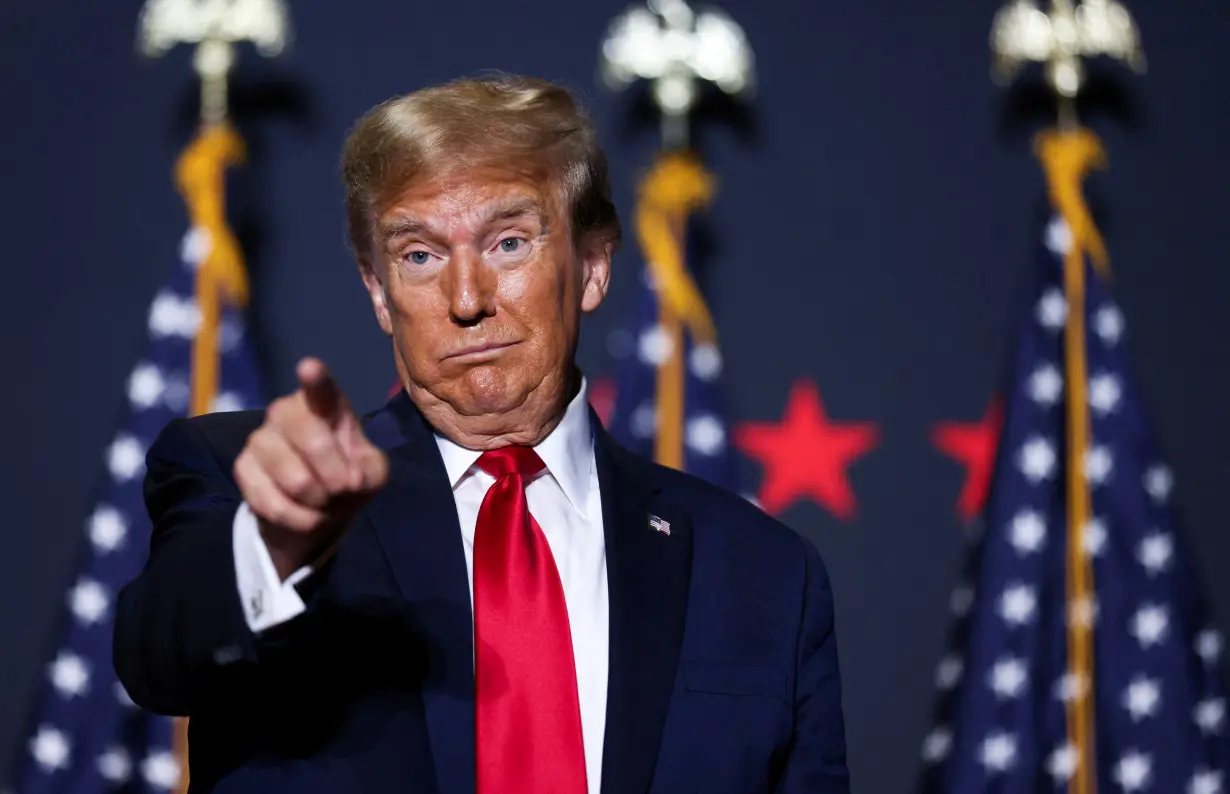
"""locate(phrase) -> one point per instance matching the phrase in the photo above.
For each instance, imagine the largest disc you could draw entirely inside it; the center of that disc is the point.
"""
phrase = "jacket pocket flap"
(734, 679)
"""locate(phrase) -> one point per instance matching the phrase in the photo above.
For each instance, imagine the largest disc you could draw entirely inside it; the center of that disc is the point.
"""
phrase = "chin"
(488, 390)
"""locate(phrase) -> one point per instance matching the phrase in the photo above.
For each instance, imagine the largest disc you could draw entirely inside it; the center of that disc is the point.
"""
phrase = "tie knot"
(511, 460)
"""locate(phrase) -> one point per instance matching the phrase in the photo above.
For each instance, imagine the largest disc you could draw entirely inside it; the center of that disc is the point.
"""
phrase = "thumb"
(324, 398)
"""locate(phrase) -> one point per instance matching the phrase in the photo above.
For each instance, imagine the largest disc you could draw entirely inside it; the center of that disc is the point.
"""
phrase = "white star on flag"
(195, 246)
(1070, 686)
(161, 770)
(50, 748)
(145, 385)
(1037, 460)
(1205, 781)
(1053, 310)
(1017, 605)
(88, 601)
(961, 599)
(70, 674)
(645, 420)
(1208, 646)
(1093, 537)
(1028, 532)
(1108, 325)
(936, 745)
(115, 765)
(1149, 625)
(1155, 552)
(1062, 763)
(1098, 464)
(169, 315)
(1104, 393)
(107, 529)
(1009, 678)
(1159, 482)
(705, 361)
(1142, 698)
(1133, 771)
(655, 346)
(1058, 236)
(1046, 385)
(125, 458)
(1209, 715)
(998, 752)
(948, 673)
(705, 435)
(225, 402)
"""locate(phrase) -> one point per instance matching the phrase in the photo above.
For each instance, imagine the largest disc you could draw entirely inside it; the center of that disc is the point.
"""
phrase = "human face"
(481, 288)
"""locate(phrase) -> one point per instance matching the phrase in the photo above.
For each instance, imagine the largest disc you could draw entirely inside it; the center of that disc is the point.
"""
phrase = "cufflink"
(256, 604)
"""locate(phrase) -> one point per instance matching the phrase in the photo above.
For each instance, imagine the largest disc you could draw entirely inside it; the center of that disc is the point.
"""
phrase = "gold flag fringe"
(1067, 157)
(676, 186)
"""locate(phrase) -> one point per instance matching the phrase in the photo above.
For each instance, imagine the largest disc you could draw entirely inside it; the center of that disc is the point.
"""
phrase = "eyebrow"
(402, 225)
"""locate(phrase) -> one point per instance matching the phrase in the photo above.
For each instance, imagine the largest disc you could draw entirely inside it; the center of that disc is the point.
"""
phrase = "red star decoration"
(973, 445)
(806, 455)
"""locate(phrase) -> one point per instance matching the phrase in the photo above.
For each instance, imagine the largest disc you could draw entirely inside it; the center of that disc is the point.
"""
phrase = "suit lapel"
(648, 571)
(415, 520)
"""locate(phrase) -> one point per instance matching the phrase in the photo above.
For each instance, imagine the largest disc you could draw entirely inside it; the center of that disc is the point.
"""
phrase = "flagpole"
(658, 43)
(1059, 40)
(214, 27)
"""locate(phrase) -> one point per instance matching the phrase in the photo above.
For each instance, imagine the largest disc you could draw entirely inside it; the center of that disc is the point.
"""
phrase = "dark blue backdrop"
(872, 232)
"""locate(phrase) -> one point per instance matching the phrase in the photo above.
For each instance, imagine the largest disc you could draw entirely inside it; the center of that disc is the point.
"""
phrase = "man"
(474, 589)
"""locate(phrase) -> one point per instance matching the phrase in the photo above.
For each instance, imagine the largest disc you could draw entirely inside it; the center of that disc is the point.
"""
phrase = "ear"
(596, 272)
(375, 289)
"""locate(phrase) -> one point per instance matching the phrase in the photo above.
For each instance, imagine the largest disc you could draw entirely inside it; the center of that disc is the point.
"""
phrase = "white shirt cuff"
(267, 600)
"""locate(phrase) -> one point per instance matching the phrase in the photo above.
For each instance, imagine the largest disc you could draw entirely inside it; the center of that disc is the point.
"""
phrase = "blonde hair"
(519, 122)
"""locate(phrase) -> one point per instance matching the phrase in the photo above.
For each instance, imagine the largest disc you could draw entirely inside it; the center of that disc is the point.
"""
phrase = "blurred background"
(871, 240)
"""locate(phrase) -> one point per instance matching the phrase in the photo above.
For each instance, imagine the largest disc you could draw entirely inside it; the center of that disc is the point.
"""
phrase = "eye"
(510, 245)
(418, 257)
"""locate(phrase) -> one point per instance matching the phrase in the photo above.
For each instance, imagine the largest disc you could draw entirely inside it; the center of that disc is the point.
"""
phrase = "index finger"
(320, 390)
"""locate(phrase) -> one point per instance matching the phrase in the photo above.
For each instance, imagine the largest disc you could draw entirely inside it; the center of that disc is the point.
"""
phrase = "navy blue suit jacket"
(723, 659)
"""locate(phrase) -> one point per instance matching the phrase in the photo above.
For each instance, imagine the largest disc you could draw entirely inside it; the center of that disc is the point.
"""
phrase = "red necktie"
(527, 716)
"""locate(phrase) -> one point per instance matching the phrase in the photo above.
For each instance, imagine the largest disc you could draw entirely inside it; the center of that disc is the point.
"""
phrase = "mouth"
(472, 354)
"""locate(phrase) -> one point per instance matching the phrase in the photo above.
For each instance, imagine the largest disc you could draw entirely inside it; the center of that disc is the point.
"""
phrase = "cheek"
(540, 296)
(416, 314)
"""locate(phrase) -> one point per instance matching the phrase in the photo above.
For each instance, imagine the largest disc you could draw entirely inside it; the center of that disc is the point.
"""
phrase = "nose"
(471, 286)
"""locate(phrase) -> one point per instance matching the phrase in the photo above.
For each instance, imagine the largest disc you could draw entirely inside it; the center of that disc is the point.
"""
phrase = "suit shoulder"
(222, 434)
(715, 509)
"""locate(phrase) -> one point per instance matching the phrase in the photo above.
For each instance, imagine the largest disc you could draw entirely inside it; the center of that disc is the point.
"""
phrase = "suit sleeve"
(817, 760)
(180, 628)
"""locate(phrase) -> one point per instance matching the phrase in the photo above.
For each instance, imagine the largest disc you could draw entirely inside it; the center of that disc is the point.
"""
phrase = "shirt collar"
(567, 452)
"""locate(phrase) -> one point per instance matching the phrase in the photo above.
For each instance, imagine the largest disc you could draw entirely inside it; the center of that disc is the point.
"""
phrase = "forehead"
(472, 196)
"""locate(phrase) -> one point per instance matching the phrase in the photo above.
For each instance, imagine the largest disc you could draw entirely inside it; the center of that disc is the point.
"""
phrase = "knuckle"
(280, 410)
(262, 506)
(295, 480)
(278, 513)
(318, 445)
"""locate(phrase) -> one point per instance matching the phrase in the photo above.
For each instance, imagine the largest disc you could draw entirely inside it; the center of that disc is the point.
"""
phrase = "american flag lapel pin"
(659, 524)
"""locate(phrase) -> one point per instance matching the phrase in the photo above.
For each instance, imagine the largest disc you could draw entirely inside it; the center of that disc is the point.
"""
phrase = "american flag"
(660, 361)
(1007, 685)
(86, 736)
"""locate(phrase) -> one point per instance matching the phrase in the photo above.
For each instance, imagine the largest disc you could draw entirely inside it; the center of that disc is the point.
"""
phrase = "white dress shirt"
(565, 502)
